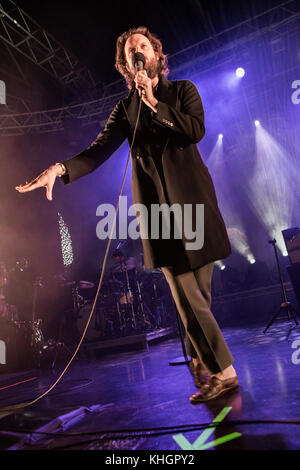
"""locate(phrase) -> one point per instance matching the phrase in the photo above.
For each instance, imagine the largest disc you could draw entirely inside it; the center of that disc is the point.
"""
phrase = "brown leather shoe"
(214, 388)
(200, 374)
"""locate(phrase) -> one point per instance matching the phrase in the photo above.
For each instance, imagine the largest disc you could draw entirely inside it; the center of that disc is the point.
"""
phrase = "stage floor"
(139, 390)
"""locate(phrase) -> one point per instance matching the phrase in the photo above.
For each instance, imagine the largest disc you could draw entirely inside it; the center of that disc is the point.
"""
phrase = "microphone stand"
(181, 360)
(285, 305)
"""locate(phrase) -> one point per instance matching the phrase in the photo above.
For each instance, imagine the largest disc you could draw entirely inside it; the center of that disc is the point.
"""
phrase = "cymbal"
(115, 281)
(86, 285)
(69, 283)
(130, 263)
(80, 284)
(153, 272)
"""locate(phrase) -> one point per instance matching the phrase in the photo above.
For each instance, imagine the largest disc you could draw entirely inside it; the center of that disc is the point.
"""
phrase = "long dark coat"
(182, 177)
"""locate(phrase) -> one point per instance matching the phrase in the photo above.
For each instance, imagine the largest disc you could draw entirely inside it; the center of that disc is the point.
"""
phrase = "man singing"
(166, 169)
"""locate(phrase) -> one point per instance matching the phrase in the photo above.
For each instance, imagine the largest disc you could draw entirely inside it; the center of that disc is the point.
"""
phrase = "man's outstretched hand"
(45, 180)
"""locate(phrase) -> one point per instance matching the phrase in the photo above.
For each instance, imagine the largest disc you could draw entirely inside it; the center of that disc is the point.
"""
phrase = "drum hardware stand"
(142, 306)
(130, 296)
(122, 319)
(36, 334)
(36, 284)
(160, 310)
(156, 299)
(76, 299)
(59, 345)
(58, 348)
(285, 305)
(159, 303)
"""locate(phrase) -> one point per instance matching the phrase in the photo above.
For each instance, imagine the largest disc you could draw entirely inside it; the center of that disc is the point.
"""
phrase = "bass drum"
(95, 328)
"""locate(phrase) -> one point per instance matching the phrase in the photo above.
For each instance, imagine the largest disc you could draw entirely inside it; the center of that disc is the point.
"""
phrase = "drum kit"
(132, 300)
(24, 338)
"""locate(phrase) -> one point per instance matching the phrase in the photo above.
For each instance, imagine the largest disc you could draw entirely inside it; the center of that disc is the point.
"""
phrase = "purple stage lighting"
(240, 72)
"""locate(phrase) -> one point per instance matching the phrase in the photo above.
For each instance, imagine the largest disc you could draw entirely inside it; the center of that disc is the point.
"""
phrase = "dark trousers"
(191, 292)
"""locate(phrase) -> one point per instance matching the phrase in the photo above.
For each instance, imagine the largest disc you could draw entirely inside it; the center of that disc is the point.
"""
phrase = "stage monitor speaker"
(294, 273)
(292, 242)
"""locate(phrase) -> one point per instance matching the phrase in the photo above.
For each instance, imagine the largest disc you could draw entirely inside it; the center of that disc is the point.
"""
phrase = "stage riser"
(242, 310)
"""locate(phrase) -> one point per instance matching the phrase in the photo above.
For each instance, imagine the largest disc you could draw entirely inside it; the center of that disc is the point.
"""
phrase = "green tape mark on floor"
(200, 443)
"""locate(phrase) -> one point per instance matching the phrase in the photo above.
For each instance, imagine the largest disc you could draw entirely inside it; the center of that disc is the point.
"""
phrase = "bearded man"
(166, 169)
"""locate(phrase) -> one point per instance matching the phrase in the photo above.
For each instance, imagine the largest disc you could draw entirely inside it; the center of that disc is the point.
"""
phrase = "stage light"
(251, 258)
(239, 241)
(285, 253)
(273, 186)
(216, 155)
(257, 123)
(219, 170)
(240, 72)
(220, 265)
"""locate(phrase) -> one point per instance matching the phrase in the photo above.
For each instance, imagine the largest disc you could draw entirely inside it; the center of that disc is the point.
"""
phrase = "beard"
(152, 68)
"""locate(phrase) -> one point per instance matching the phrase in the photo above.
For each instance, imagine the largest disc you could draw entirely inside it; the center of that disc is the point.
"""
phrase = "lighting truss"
(25, 35)
(53, 120)
(217, 49)
(277, 22)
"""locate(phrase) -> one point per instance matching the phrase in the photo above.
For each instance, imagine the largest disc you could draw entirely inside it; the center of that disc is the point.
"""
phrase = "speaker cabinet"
(292, 242)
(294, 273)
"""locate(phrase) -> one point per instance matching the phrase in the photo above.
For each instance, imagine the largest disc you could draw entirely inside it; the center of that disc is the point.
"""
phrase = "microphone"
(138, 62)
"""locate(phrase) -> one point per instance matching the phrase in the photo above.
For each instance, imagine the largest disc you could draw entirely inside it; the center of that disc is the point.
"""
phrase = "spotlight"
(240, 72)
(251, 259)
(220, 265)
(257, 123)
(285, 253)
(220, 136)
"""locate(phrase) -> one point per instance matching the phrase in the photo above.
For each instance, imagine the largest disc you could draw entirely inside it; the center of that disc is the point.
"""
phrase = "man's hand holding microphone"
(143, 82)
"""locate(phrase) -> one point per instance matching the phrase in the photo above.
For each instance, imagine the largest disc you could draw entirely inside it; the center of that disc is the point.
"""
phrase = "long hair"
(120, 53)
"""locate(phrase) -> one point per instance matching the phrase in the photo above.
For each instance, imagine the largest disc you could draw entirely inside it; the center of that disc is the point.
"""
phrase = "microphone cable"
(23, 405)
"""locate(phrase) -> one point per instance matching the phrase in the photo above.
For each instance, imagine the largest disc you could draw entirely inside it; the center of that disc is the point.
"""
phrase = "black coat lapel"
(131, 105)
(167, 92)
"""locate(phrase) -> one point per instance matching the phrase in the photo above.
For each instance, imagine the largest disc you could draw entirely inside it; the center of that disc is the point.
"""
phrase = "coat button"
(137, 156)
